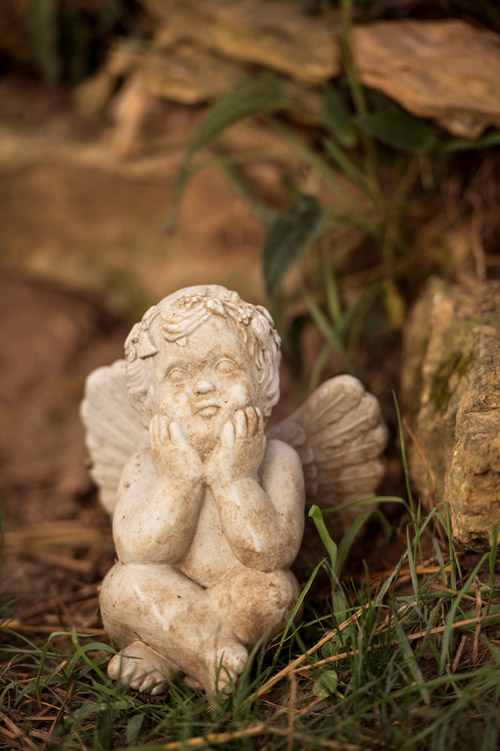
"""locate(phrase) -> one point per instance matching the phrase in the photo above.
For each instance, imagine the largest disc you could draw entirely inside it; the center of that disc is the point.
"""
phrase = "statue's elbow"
(137, 550)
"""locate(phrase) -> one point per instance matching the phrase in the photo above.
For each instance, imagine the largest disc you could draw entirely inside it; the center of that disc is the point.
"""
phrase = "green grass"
(412, 663)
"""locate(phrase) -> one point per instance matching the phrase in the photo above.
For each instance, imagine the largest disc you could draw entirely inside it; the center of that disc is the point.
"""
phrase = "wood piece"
(451, 398)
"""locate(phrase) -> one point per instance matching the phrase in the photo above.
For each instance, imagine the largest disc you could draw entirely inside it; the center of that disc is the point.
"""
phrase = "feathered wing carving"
(337, 432)
(113, 430)
(339, 436)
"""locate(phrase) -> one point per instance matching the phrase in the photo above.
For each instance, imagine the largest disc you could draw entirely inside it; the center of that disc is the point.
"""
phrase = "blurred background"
(321, 158)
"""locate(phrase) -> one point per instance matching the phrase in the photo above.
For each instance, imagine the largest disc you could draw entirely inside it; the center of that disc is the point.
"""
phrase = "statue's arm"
(263, 515)
(156, 514)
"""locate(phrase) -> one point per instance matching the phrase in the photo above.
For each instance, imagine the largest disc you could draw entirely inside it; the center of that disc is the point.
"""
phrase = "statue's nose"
(204, 386)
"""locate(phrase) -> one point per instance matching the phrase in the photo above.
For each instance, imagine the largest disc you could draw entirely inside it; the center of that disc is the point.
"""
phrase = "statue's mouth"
(208, 410)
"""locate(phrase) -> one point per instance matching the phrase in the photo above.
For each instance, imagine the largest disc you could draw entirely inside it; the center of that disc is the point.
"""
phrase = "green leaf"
(338, 120)
(298, 606)
(345, 164)
(288, 237)
(261, 208)
(466, 144)
(326, 684)
(44, 34)
(399, 130)
(254, 95)
(330, 545)
(410, 660)
(340, 607)
(356, 526)
(134, 728)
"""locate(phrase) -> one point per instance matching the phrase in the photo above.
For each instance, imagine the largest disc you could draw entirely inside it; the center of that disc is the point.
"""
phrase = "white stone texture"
(208, 510)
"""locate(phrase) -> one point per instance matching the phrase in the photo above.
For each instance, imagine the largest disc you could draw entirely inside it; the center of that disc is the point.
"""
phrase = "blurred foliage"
(348, 225)
(69, 38)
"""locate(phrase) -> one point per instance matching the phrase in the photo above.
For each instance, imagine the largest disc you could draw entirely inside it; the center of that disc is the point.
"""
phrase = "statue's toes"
(153, 683)
(126, 669)
(192, 682)
(224, 666)
(234, 658)
(141, 668)
(116, 667)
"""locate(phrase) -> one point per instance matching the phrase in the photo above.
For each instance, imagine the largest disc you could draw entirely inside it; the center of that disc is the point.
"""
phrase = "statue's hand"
(240, 449)
(172, 454)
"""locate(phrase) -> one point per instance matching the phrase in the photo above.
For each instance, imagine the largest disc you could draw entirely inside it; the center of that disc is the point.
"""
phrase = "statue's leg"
(159, 607)
(254, 603)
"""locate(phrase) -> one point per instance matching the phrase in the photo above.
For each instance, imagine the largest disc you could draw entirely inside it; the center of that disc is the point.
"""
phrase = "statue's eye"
(176, 375)
(226, 366)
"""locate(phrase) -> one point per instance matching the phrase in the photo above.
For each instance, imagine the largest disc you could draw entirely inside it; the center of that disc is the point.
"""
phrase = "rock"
(451, 399)
(274, 35)
(184, 74)
(444, 70)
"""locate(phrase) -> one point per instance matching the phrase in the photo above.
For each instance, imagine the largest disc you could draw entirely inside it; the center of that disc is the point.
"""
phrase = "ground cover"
(404, 658)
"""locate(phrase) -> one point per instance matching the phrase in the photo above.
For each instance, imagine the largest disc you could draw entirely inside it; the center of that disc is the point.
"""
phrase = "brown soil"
(51, 338)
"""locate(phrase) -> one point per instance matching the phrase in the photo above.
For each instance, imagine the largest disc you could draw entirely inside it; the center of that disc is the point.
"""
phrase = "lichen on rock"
(451, 399)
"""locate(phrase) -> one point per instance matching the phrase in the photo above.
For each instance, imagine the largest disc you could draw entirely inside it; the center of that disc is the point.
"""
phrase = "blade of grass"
(411, 662)
(451, 617)
(331, 547)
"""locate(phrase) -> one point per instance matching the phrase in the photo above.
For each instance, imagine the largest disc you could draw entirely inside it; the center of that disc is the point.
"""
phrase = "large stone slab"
(274, 35)
(444, 70)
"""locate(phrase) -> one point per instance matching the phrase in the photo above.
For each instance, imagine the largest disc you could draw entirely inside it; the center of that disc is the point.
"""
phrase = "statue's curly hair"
(177, 316)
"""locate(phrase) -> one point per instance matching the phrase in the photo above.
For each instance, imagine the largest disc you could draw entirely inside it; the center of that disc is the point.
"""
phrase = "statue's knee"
(111, 597)
(112, 586)
(261, 603)
(278, 589)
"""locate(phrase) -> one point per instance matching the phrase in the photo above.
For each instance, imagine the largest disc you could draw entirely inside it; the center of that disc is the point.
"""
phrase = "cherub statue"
(208, 510)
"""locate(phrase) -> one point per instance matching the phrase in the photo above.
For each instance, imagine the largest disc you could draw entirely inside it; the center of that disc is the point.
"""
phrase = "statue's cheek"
(173, 405)
(241, 394)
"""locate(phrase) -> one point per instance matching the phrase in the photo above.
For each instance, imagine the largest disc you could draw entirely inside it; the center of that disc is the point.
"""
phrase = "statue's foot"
(222, 667)
(141, 668)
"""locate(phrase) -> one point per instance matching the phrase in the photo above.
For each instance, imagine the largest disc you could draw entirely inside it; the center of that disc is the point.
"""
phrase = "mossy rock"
(451, 398)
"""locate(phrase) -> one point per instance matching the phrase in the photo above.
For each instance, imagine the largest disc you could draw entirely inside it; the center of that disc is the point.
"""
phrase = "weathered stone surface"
(451, 399)
(275, 35)
(185, 74)
(444, 70)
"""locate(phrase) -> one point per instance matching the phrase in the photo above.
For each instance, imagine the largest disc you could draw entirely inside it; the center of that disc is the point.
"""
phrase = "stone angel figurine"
(208, 509)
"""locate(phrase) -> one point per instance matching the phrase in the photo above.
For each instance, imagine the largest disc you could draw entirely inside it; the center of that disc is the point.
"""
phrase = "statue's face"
(202, 384)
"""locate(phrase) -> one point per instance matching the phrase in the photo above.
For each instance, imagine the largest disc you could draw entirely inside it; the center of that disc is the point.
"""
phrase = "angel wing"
(337, 433)
(113, 430)
(339, 436)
